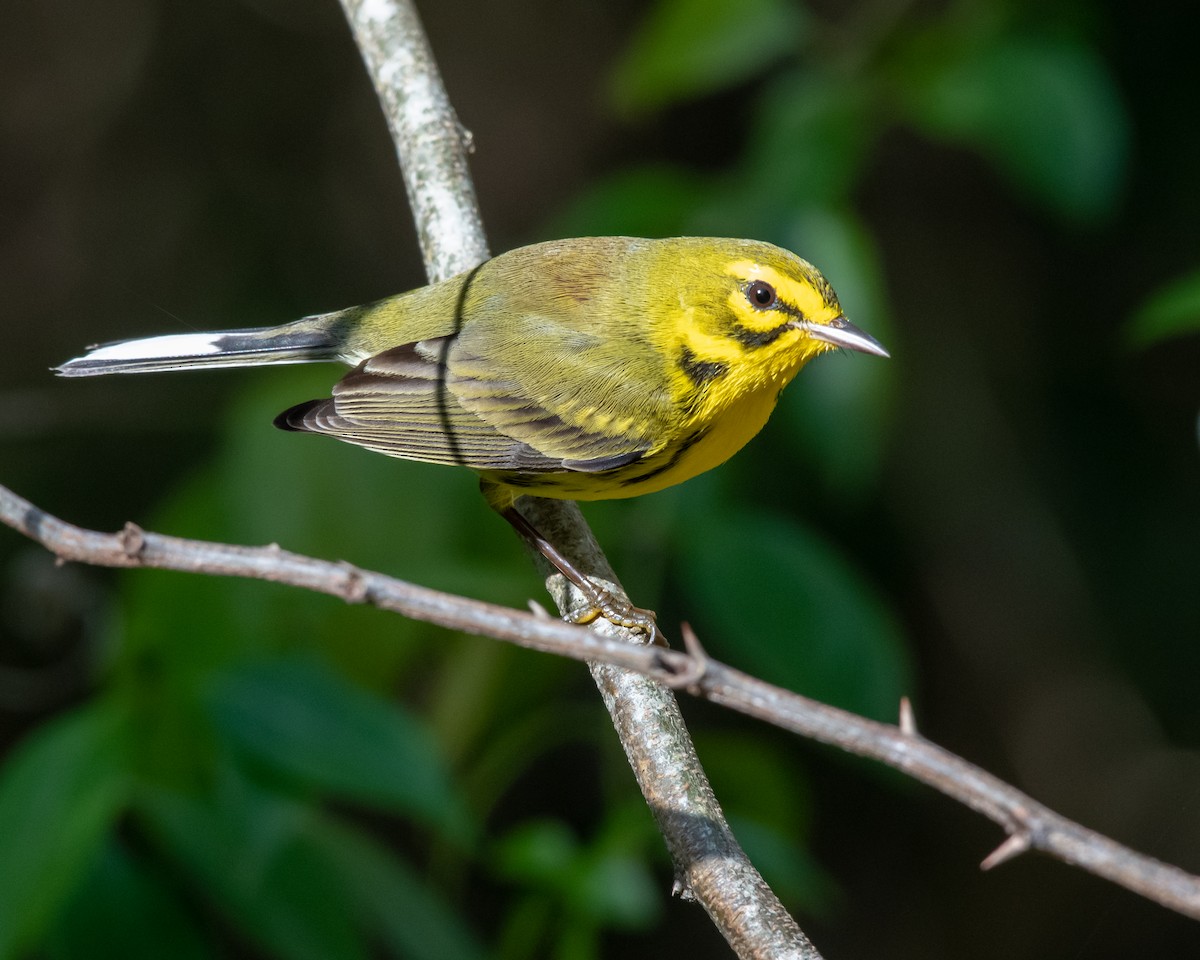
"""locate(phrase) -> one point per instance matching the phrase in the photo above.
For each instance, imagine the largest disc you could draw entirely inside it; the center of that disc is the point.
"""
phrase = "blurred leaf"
(652, 201)
(1047, 111)
(408, 913)
(311, 725)
(538, 853)
(602, 884)
(615, 890)
(686, 48)
(248, 851)
(840, 405)
(543, 725)
(299, 883)
(1173, 311)
(124, 912)
(60, 792)
(807, 143)
(778, 602)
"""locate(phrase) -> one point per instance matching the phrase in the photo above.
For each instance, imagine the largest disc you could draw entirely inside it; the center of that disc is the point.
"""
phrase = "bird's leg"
(600, 602)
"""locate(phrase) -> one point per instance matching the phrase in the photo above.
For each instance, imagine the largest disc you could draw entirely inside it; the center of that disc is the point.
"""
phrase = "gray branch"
(431, 144)
(710, 866)
(1030, 825)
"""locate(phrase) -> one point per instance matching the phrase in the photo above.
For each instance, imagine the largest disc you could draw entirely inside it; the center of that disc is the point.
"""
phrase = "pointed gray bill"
(842, 333)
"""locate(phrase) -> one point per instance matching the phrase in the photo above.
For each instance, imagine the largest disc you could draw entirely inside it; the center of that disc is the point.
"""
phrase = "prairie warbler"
(582, 369)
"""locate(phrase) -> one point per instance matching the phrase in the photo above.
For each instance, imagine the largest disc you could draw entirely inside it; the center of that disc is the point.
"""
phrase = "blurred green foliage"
(1173, 311)
(685, 48)
(263, 771)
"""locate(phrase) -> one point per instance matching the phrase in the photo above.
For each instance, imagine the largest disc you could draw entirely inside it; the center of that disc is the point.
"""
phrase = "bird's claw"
(617, 610)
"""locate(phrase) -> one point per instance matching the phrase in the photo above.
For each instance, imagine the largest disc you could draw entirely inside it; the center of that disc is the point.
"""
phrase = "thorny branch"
(1029, 824)
(432, 147)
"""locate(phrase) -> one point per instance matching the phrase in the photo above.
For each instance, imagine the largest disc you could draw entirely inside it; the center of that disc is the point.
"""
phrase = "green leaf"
(600, 884)
(1173, 311)
(124, 912)
(248, 851)
(777, 601)
(807, 143)
(612, 889)
(60, 793)
(1046, 111)
(840, 405)
(306, 722)
(652, 201)
(406, 911)
(614, 885)
(538, 853)
(686, 48)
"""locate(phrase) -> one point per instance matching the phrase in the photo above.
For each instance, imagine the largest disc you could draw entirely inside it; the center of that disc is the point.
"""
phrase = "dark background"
(1002, 521)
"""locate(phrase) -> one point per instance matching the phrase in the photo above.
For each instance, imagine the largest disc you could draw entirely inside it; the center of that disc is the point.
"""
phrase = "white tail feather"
(304, 341)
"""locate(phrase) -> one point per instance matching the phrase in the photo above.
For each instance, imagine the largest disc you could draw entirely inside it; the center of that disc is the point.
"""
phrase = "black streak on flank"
(699, 371)
(669, 464)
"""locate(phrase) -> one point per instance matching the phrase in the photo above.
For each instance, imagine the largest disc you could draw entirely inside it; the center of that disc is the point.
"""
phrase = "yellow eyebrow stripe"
(803, 296)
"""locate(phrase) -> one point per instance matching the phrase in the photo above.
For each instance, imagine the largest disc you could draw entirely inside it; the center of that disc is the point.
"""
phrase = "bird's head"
(759, 314)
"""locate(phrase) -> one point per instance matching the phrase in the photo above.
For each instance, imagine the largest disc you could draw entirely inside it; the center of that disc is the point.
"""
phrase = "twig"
(431, 144)
(709, 864)
(1030, 824)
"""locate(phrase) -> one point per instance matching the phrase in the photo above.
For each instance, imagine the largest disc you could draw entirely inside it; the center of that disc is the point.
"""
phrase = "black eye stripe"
(794, 312)
(754, 339)
(759, 338)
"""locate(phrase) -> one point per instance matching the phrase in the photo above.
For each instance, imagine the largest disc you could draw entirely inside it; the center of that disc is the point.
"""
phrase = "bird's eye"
(761, 294)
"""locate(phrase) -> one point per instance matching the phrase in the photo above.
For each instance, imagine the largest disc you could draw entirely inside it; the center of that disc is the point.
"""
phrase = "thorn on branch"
(692, 643)
(466, 138)
(1014, 846)
(133, 540)
(683, 890)
(698, 661)
(908, 720)
(537, 609)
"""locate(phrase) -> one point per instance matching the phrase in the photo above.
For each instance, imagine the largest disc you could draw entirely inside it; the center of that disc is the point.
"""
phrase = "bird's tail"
(310, 339)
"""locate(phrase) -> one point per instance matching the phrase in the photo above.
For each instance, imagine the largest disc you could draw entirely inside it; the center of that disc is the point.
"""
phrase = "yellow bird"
(582, 369)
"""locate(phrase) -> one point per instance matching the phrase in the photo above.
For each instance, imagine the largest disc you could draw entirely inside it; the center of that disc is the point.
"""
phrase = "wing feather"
(569, 392)
(401, 403)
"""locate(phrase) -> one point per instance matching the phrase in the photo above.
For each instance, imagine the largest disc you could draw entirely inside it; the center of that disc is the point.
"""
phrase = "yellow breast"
(706, 445)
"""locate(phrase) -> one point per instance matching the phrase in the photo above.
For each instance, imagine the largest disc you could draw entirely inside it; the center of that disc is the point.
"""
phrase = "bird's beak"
(842, 333)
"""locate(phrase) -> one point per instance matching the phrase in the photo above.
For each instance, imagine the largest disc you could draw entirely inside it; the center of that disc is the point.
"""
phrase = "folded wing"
(421, 402)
